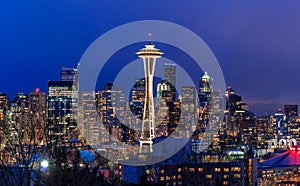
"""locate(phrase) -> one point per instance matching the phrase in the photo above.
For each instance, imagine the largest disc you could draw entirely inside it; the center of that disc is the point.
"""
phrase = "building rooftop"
(288, 158)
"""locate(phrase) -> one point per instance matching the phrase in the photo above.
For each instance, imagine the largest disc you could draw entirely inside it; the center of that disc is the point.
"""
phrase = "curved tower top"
(149, 51)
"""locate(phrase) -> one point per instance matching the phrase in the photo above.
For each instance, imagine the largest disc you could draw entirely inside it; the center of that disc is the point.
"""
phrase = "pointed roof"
(205, 76)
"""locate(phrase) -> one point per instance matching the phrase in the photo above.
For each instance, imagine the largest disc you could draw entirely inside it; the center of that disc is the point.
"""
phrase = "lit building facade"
(188, 117)
(170, 73)
(3, 105)
(89, 124)
(3, 108)
(61, 123)
(111, 108)
(72, 75)
(37, 107)
(205, 91)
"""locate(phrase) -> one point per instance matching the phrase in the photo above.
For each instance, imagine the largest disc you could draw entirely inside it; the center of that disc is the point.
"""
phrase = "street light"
(44, 164)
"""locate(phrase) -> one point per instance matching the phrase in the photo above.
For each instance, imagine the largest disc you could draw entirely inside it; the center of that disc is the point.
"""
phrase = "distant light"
(37, 89)
(294, 148)
(44, 164)
(150, 34)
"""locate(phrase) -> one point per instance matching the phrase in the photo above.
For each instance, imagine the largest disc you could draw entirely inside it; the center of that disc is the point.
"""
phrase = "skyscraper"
(149, 54)
(170, 73)
(61, 121)
(89, 122)
(3, 106)
(188, 107)
(21, 101)
(165, 97)
(72, 75)
(37, 107)
(205, 91)
(69, 74)
(138, 98)
(291, 110)
(281, 126)
(111, 109)
(19, 120)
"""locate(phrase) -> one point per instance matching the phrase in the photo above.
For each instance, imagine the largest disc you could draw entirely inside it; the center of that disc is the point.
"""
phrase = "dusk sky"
(257, 43)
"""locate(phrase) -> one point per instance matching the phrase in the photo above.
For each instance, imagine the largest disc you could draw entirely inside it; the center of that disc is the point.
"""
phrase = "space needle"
(149, 54)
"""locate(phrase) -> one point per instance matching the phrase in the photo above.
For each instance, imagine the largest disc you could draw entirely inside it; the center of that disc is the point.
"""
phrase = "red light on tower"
(37, 89)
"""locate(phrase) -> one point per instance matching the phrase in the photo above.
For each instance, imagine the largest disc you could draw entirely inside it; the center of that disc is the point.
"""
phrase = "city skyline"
(255, 43)
(149, 93)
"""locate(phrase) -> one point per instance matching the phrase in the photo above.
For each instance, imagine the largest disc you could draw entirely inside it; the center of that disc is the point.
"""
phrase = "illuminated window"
(226, 169)
(200, 169)
(191, 169)
(208, 176)
(179, 170)
(162, 178)
(217, 169)
(225, 183)
(225, 176)
(236, 169)
(179, 176)
(237, 175)
(120, 166)
(162, 171)
(167, 177)
(174, 177)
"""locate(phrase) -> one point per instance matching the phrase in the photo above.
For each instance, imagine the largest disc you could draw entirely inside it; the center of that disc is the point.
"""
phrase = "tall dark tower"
(149, 54)
(3, 106)
(205, 92)
(37, 107)
(170, 73)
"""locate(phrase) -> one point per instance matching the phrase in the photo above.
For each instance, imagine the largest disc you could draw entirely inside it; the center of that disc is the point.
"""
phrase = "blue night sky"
(257, 43)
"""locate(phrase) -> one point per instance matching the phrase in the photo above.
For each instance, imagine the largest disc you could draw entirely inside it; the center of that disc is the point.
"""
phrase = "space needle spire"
(149, 54)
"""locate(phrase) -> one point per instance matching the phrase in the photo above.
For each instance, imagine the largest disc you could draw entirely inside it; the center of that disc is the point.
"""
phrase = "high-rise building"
(170, 73)
(233, 105)
(37, 107)
(3, 106)
(205, 91)
(137, 98)
(19, 121)
(72, 74)
(111, 109)
(21, 101)
(89, 122)
(291, 110)
(166, 95)
(149, 54)
(188, 107)
(61, 121)
(281, 127)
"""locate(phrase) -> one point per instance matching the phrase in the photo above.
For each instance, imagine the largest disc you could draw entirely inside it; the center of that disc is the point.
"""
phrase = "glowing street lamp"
(44, 164)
